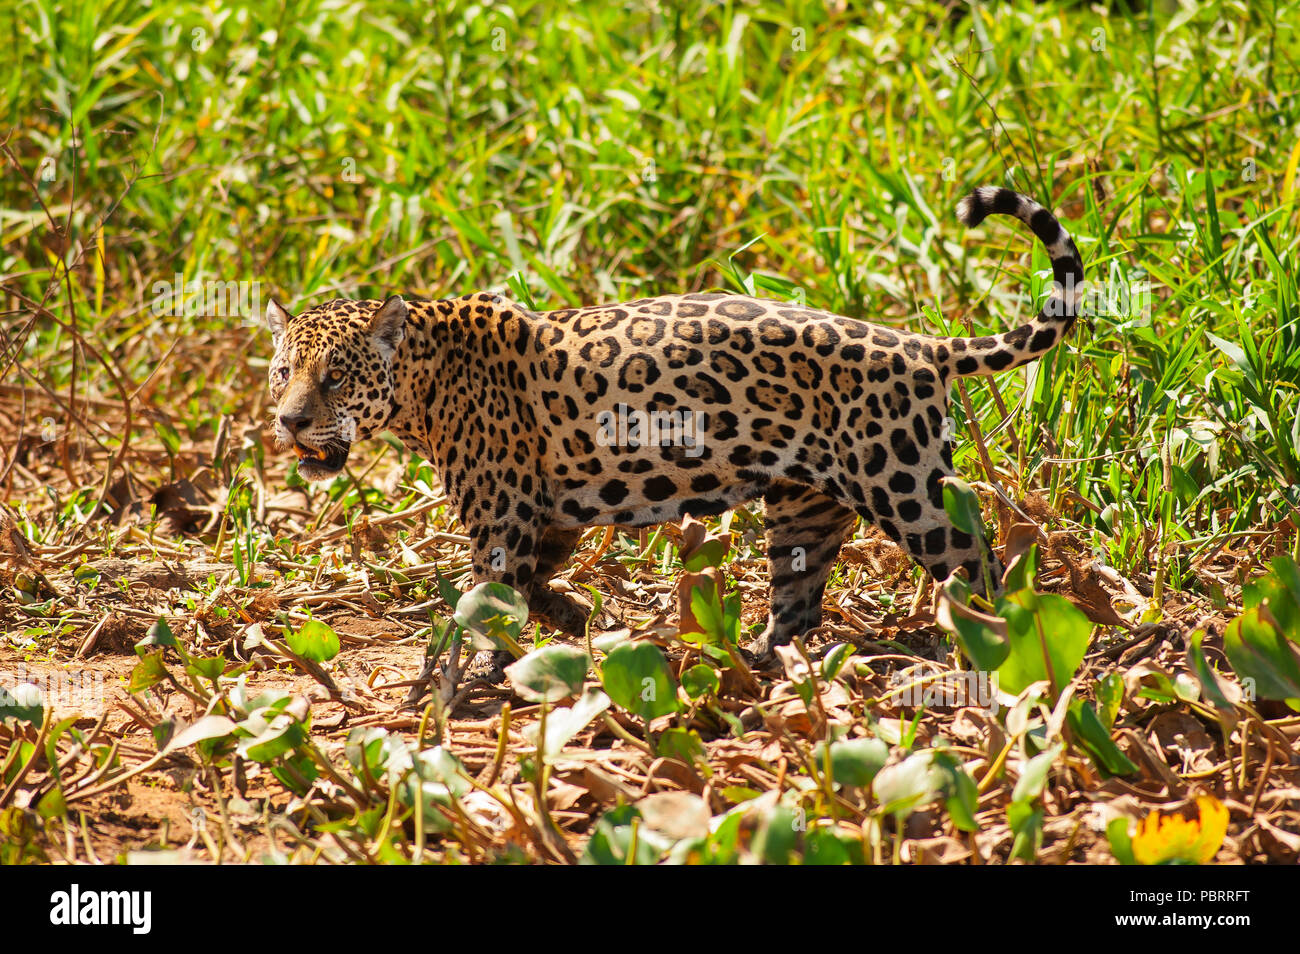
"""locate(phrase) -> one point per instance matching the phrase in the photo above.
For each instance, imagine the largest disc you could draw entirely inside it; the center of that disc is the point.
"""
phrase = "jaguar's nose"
(295, 422)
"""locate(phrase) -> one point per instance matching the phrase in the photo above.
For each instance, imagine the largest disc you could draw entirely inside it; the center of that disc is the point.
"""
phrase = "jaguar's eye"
(281, 374)
(334, 378)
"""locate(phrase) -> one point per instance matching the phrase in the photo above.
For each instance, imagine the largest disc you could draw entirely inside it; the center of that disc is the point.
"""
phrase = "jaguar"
(543, 424)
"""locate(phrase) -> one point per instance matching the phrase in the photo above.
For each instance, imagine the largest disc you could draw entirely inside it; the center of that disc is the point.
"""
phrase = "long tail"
(1013, 348)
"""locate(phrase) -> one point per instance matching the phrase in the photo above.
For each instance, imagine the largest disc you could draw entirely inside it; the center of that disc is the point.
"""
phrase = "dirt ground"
(80, 594)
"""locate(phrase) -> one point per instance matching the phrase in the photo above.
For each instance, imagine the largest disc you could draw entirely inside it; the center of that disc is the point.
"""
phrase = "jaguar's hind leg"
(805, 528)
(909, 509)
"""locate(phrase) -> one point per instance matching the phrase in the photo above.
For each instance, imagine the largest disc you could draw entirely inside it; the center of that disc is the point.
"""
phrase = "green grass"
(568, 153)
(576, 153)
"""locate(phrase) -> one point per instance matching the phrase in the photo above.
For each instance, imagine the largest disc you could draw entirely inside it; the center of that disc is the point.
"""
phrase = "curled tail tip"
(992, 200)
(969, 213)
(977, 206)
(988, 354)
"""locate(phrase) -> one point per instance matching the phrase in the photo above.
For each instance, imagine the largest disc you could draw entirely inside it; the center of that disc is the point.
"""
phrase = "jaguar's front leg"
(551, 608)
(504, 551)
(501, 551)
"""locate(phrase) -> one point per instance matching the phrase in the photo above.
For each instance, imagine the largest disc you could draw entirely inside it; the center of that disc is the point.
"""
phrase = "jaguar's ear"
(277, 319)
(388, 324)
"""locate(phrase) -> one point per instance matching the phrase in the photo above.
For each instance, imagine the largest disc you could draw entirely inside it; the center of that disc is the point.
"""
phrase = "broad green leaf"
(1034, 775)
(905, 786)
(1121, 842)
(1258, 651)
(1036, 622)
(1023, 572)
(52, 805)
(1155, 684)
(685, 745)
(700, 680)
(711, 552)
(606, 642)
(854, 761)
(1026, 820)
(162, 732)
(1205, 674)
(304, 773)
(438, 777)
(450, 595)
(611, 840)
(549, 674)
(369, 749)
(637, 677)
(1094, 737)
(564, 723)
(439, 764)
(987, 650)
(1186, 687)
(314, 640)
(981, 637)
(828, 845)
(206, 667)
(722, 846)
(209, 727)
(1279, 590)
(961, 791)
(494, 615)
(962, 506)
(160, 634)
(777, 836)
(283, 734)
(709, 612)
(834, 660)
(148, 672)
(1110, 696)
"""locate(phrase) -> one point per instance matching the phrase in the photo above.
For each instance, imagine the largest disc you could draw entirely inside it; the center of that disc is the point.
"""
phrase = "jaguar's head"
(332, 377)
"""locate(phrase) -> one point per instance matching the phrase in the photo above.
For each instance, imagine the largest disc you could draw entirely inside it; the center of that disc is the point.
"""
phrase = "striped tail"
(969, 356)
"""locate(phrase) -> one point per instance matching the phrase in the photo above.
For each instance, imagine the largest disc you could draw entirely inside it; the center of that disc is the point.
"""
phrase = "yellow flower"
(1174, 839)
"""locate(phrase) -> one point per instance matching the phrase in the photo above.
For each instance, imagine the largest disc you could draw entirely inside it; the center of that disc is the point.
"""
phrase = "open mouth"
(315, 462)
(305, 453)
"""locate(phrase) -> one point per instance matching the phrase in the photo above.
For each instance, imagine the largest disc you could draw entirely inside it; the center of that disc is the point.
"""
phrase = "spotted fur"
(825, 418)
